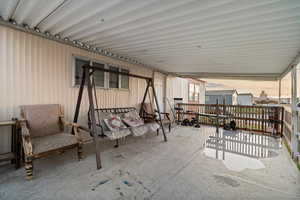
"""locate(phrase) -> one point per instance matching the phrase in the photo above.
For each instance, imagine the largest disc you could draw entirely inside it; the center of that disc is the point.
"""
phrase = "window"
(78, 69)
(102, 79)
(113, 78)
(197, 92)
(125, 79)
(194, 92)
(191, 91)
(99, 75)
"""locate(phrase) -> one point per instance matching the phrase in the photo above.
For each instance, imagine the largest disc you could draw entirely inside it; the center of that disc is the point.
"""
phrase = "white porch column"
(294, 135)
(279, 92)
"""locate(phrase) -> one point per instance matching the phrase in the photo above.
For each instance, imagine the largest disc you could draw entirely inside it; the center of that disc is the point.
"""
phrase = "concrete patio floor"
(147, 168)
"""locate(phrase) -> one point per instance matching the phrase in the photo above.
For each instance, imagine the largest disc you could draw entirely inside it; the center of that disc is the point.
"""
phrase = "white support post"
(294, 135)
(279, 92)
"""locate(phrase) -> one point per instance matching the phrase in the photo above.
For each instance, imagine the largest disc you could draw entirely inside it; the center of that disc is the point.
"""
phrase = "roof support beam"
(294, 62)
(238, 76)
(279, 91)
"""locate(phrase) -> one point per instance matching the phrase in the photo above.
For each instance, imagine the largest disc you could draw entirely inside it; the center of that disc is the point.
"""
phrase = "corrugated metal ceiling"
(255, 37)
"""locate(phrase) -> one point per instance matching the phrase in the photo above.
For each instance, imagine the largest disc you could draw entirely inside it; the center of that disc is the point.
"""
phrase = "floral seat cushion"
(114, 123)
(132, 119)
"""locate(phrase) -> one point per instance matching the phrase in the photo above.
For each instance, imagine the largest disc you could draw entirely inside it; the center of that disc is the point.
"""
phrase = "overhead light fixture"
(13, 21)
(26, 26)
(37, 29)
(47, 33)
(57, 36)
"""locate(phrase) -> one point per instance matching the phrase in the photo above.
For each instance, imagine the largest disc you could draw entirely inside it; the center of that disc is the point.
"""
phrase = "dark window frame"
(106, 75)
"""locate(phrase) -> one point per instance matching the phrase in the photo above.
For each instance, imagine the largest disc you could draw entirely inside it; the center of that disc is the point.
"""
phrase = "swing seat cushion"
(143, 129)
(139, 130)
(132, 119)
(100, 120)
(153, 126)
(114, 123)
(121, 133)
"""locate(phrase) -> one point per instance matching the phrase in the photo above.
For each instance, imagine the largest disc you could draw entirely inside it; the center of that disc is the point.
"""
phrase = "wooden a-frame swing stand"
(87, 72)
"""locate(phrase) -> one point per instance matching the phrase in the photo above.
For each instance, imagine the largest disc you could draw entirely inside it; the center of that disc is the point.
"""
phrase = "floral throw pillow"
(114, 123)
(132, 119)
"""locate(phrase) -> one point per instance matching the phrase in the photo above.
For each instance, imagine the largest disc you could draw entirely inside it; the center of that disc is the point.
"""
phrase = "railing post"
(224, 112)
(282, 122)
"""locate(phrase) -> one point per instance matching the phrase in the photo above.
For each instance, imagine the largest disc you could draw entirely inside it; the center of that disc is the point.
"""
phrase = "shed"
(245, 99)
(230, 96)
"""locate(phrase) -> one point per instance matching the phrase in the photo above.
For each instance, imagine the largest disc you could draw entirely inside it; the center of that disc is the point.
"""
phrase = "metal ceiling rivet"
(37, 29)
(76, 43)
(26, 26)
(47, 33)
(13, 22)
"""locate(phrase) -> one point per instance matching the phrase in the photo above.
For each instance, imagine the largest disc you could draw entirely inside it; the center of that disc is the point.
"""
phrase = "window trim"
(194, 96)
(108, 80)
(120, 79)
(105, 67)
(74, 57)
(106, 74)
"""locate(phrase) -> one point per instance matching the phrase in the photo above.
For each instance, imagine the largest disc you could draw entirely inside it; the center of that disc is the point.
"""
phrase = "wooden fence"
(264, 119)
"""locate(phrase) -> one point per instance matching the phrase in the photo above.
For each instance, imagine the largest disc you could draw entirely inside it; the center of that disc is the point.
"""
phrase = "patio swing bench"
(149, 125)
(96, 115)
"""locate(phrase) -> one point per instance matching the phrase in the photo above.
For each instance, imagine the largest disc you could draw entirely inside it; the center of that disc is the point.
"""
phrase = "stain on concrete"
(120, 156)
(128, 183)
(3, 195)
(226, 180)
(99, 184)
(144, 187)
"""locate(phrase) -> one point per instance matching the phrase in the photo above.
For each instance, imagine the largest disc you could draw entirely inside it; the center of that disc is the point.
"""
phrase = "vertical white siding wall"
(202, 93)
(176, 88)
(159, 84)
(34, 70)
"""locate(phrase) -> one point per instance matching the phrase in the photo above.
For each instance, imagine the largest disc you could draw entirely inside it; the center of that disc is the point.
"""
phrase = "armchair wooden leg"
(117, 143)
(79, 151)
(157, 131)
(169, 127)
(29, 169)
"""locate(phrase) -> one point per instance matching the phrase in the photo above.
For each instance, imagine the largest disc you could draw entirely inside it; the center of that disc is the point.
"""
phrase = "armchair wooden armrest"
(75, 127)
(165, 113)
(27, 145)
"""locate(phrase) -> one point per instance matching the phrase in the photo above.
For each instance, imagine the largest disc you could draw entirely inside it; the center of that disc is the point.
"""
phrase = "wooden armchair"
(149, 115)
(43, 132)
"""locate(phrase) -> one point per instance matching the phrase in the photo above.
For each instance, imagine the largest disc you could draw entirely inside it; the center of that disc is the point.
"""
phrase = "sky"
(255, 87)
(243, 86)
